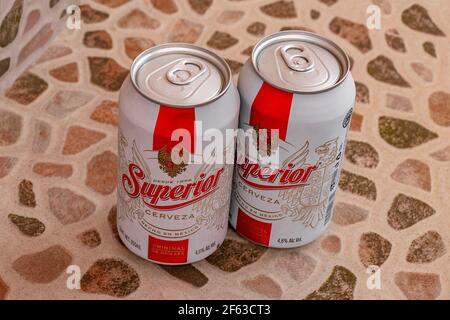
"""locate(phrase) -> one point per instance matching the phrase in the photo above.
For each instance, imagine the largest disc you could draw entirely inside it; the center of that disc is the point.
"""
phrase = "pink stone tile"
(43, 266)
(37, 42)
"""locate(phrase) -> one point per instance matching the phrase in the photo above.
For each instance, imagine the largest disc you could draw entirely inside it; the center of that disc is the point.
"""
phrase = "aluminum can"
(299, 83)
(174, 212)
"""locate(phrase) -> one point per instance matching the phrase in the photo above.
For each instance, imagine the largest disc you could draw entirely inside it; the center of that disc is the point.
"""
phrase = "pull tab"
(186, 71)
(297, 57)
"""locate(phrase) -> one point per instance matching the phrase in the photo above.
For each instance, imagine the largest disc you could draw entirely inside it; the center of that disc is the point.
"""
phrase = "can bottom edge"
(130, 248)
(275, 247)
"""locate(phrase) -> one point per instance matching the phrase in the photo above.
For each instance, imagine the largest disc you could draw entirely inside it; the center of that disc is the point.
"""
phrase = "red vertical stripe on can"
(253, 229)
(170, 119)
(271, 108)
(168, 251)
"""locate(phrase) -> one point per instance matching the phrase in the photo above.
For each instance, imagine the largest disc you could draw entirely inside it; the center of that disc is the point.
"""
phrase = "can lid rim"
(308, 37)
(161, 49)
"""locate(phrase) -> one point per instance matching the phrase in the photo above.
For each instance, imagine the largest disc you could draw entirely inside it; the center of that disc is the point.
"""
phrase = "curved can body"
(169, 212)
(293, 205)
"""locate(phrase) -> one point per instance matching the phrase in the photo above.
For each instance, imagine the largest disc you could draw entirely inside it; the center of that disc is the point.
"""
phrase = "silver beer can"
(174, 212)
(300, 84)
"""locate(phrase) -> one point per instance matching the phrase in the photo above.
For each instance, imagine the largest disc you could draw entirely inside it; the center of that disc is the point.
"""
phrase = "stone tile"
(26, 194)
(187, 273)
(69, 207)
(263, 285)
(394, 40)
(102, 173)
(426, 248)
(340, 285)
(331, 244)
(4, 66)
(407, 211)
(361, 154)
(422, 71)
(185, 31)
(41, 136)
(396, 102)
(10, 24)
(417, 18)
(10, 127)
(362, 93)
(200, 6)
(107, 73)
(134, 46)
(112, 220)
(3, 289)
(98, 39)
(328, 2)
(65, 102)
(382, 69)
(229, 17)
(165, 6)
(137, 19)
(54, 52)
(299, 266)
(53, 3)
(357, 120)
(37, 42)
(418, 286)
(221, 40)
(403, 134)
(112, 277)
(6, 165)
(256, 28)
(248, 51)
(280, 9)
(442, 155)
(347, 214)
(90, 15)
(32, 18)
(373, 249)
(439, 107)
(106, 112)
(43, 266)
(49, 169)
(112, 3)
(26, 88)
(66, 73)
(31, 227)
(414, 173)
(235, 66)
(314, 14)
(358, 185)
(296, 27)
(355, 33)
(233, 255)
(384, 5)
(90, 238)
(79, 139)
(429, 48)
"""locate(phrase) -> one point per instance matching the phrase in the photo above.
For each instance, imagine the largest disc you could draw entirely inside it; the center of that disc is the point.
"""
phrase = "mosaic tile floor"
(58, 157)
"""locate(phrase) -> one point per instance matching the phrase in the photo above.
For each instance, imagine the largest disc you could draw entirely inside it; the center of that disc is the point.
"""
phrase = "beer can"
(298, 83)
(174, 212)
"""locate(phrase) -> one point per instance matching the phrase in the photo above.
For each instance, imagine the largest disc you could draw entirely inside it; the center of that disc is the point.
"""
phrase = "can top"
(300, 62)
(180, 75)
